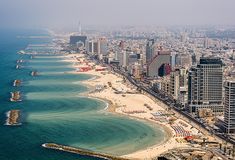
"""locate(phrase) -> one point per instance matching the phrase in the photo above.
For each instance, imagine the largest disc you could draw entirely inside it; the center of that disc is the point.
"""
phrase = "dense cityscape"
(117, 80)
(189, 69)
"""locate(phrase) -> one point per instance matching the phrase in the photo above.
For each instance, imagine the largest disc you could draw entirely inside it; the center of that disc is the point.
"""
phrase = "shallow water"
(53, 111)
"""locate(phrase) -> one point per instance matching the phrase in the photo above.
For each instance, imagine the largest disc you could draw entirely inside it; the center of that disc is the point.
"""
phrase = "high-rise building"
(91, 46)
(136, 70)
(96, 47)
(77, 39)
(173, 60)
(165, 85)
(150, 50)
(178, 85)
(160, 64)
(78, 43)
(205, 85)
(174, 84)
(183, 60)
(123, 58)
(229, 107)
(183, 37)
(194, 59)
(122, 45)
(206, 43)
(103, 47)
(132, 58)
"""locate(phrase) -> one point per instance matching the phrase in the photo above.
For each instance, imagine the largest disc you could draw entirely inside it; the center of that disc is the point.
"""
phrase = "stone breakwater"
(81, 151)
(13, 117)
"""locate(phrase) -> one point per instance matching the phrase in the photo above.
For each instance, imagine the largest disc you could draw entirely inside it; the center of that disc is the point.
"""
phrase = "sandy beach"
(123, 98)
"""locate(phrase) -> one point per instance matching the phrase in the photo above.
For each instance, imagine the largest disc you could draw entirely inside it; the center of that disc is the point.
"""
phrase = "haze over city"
(67, 13)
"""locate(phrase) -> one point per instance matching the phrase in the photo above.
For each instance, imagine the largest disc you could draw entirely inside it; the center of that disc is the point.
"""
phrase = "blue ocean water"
(53, 111)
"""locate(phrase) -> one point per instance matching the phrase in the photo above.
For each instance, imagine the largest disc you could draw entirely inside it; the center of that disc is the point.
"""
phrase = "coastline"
(118, 108)
(112, 109)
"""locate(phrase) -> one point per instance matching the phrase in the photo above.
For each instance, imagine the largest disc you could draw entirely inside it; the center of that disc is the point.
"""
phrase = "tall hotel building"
(150, 50)
(229, 107)
(205, 86)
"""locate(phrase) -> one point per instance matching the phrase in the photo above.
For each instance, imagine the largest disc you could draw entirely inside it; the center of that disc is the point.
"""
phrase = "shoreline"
(150, 152)
(111, 108)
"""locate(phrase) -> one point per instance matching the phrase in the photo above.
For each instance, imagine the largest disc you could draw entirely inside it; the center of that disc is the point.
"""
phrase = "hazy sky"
(116, 12)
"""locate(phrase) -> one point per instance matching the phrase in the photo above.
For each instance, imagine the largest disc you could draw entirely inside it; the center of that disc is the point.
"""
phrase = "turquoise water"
(53, 110)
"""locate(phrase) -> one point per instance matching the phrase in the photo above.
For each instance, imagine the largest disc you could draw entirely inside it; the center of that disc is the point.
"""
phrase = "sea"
(54, 110)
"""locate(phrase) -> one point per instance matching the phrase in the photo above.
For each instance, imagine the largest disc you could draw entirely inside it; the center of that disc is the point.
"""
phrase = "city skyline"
(104, 12)
(123, 80)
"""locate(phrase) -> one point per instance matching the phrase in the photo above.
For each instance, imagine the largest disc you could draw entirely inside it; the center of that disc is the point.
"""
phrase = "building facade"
(229, 107)
(77, 39)
(159, 64)
(150, 50)
(205, 85)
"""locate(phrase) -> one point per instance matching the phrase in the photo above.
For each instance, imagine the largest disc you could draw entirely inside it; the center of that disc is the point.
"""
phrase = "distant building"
(159, 65)
(184, 60)
(99, 47)
(165, 85)
(178, 86)
(74, 40)
(136, 70)
(206, 43)
(123, 58)
(90, 47)
(150, 50)
(183, 37)
(93, 46)
(229, 107)
(173, 60)
(194, 59)
(205, 85)
(174, 84)
(132, 59)
(96, 47)
(122, 45)
(183, 89)
(103, 43)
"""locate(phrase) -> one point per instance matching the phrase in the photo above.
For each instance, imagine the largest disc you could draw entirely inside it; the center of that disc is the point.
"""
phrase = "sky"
(65, 13)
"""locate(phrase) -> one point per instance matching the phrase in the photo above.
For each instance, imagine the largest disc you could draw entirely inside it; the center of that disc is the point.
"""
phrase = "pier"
(13, 117)
(17, 83)
(15, 96)
(81, 151)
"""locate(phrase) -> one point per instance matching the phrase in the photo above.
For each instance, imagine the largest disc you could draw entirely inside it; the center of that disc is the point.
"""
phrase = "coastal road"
(171, 104)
